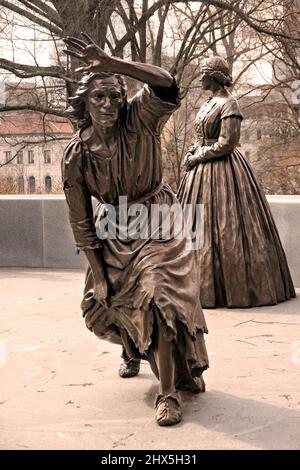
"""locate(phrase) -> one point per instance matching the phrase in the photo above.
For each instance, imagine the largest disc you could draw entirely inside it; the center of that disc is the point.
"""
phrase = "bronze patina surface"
(140, 293)
(241, 262)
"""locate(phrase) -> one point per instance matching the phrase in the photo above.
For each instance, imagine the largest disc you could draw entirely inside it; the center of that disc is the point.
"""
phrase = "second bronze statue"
(241, 262)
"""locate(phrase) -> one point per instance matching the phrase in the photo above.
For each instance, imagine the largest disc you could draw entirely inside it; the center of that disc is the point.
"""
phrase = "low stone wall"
(35, 232)
(286, 212)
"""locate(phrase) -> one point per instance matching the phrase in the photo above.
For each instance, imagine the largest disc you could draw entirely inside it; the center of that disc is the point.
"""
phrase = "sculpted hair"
(218, 68)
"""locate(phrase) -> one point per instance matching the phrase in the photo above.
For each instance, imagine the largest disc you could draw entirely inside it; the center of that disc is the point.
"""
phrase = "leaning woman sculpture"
(139, 293)
(241, 262)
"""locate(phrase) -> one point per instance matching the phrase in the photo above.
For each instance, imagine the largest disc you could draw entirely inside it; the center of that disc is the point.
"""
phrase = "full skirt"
(241, 262)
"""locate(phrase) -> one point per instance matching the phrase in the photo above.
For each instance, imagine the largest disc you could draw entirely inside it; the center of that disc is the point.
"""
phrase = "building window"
(20, 184)
(48, 184)
(47, 156)
(30, 156)
(20, 157)
(31, 184)
(8, 156)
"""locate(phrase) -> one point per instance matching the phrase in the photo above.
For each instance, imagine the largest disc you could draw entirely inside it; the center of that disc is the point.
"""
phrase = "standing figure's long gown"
(154, 280)
(241, 262)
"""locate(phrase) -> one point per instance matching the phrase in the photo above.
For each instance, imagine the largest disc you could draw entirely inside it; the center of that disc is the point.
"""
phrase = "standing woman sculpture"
(140, 293)
(241, 262)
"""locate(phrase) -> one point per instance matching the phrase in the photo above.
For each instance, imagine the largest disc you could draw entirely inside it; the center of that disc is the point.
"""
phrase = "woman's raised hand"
(88, 52)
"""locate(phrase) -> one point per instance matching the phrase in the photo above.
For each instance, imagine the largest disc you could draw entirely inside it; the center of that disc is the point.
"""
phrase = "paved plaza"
(60, 387)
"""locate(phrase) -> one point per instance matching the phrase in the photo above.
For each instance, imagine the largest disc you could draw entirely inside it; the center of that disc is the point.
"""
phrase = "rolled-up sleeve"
(78, 199)
(152, 107)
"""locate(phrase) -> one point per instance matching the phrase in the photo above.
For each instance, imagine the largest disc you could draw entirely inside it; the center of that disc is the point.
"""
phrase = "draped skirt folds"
(241, 262)
(155, 286)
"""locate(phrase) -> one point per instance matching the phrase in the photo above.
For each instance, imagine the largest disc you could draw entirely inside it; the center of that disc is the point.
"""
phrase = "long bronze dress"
(241, 262)
(154, 280)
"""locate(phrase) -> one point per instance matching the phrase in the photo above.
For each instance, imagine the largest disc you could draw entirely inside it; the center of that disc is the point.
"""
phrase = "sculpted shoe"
(129, 368)
(168, 411)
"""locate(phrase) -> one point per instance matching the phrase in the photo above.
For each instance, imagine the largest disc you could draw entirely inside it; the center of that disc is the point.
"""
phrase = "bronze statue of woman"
(241, 262)
(140, 293)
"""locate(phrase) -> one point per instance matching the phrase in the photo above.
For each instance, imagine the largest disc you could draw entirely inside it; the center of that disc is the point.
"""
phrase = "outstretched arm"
(97, 60)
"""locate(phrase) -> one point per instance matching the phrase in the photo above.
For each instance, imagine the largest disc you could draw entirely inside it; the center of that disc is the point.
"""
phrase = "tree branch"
(244, 16)
(218, 4)
(34, 71)
(28, 107)
(43, 9)
(35, 19)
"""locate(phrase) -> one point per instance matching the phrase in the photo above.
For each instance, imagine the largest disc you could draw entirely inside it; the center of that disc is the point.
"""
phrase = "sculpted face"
(105, 101)
(205, 81)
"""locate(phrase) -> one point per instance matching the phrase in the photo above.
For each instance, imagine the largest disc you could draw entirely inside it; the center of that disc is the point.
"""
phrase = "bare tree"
(118, 24)
(171, 33)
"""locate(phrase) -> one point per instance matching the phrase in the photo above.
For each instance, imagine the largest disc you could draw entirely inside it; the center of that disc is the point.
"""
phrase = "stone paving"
(60, 387)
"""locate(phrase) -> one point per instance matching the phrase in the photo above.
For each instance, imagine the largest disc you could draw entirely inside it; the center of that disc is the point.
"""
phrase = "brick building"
(31, 147)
